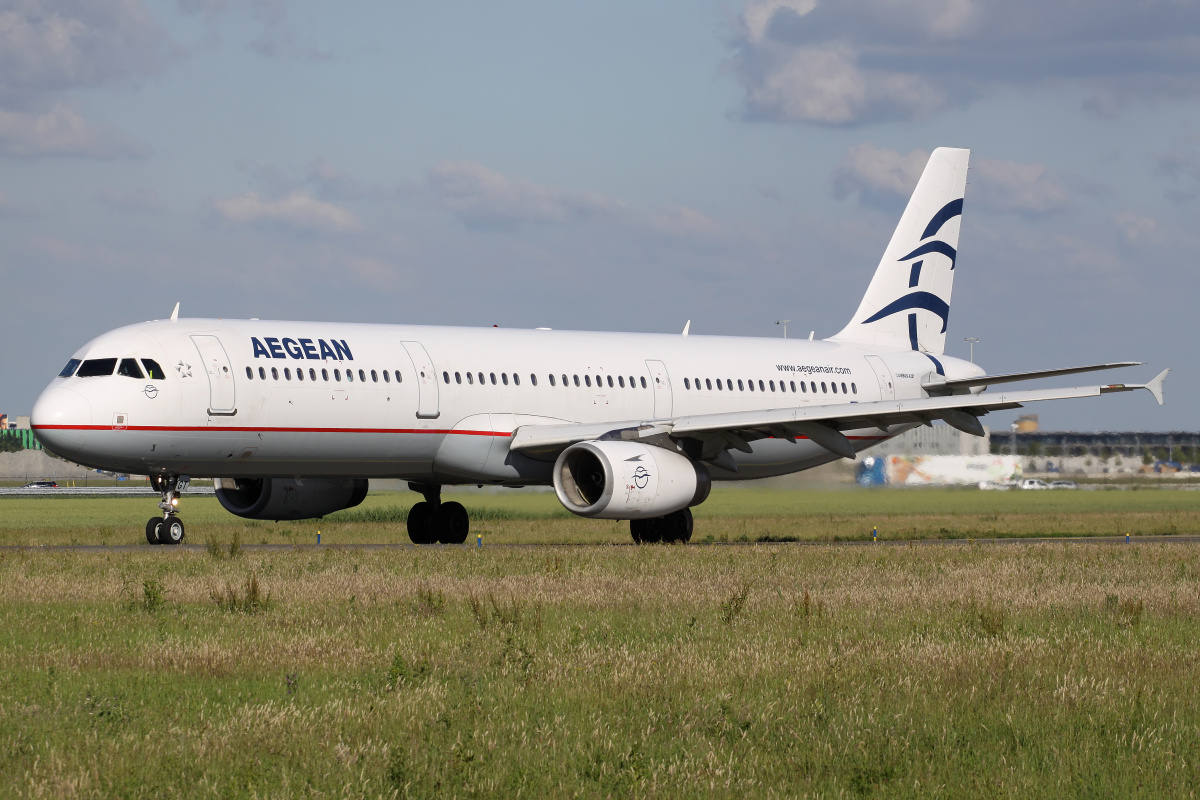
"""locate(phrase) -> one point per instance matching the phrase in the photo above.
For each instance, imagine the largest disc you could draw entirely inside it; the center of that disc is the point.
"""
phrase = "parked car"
(41, 485)
(1063, 485)
(1033, 483)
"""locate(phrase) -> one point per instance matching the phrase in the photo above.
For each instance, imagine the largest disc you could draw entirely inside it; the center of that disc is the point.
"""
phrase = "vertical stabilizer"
(907, 304)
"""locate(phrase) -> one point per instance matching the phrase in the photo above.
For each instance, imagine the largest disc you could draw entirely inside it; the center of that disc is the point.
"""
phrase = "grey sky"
(619, 166)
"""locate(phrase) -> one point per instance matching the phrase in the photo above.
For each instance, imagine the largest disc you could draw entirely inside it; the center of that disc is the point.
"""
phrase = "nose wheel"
(167, 529)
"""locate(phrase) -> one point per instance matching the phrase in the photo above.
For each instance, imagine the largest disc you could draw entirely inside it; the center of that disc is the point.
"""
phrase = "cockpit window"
(130, 369)
(95, 367)
(153, 371)
(70, 368)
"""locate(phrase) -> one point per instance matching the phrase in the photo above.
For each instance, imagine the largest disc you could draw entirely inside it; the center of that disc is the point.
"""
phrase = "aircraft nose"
(61, 418)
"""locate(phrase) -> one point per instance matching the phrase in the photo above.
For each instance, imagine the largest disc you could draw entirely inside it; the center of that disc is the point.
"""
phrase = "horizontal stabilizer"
(1013, 377)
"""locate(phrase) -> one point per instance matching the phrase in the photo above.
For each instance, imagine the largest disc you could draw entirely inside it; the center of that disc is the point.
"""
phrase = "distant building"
(939, 440)
(23, 423)
(1027, 423)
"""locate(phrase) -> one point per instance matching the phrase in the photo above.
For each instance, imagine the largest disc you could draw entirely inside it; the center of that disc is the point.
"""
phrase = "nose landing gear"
(167, 529)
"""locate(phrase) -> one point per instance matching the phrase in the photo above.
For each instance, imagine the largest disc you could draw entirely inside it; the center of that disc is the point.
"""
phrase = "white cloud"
(879, 176)
(298, 211)
(1022, 188)
(484, 198)
(1136, 229)
(58, 44)
(61, 130)
(847, 62)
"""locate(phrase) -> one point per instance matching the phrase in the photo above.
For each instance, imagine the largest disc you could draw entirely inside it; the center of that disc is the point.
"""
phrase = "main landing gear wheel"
(152, 529)
(434, 521)
(452, 523)
(420, 524)
(675, 527)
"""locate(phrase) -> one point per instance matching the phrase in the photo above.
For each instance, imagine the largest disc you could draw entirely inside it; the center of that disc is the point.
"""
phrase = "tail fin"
(907, 304)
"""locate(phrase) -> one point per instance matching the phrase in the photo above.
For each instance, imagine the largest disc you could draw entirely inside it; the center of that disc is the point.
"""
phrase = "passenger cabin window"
(399, 377)
(587, 380)
(249, 373)
(324, 374)
(312, 374)
(551, 379)
(153, 371)
(362, 376)
(504, 378)
(300, 374)
(287, 374)
(576, 380)
(375, 377)
(350, 376)
(492, 375)
(274, 374)
(854, 388)
(445, 377)
(533, 379)
(470, 379)
(621, 381)
(262, 373)
(516, 379)
(96, 368)
(643, 383)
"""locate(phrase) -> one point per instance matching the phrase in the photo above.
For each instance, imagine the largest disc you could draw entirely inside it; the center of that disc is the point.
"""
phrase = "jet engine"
(627, 480)
(289, 498)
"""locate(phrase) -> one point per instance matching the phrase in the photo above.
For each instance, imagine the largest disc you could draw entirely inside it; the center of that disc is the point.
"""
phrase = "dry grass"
(770, 671)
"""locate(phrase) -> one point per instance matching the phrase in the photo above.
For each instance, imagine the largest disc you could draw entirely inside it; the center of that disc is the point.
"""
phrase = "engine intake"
(627, 480)
(289, 498)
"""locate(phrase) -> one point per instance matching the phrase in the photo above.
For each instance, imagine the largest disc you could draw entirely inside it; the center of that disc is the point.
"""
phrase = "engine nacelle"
(627, 480)
(289, 498)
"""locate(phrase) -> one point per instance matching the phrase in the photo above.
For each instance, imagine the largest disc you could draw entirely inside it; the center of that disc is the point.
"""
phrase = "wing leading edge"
(719, 433)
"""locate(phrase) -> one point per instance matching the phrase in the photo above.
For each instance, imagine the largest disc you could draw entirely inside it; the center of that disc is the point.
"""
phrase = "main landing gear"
(676, 527)
(434, 521)
(167, 529)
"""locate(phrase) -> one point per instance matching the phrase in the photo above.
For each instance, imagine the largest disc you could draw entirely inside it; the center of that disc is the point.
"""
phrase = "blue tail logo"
(924, 300)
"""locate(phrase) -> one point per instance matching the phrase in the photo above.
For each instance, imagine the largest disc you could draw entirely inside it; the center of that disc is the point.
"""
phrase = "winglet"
(175, 314)
(1156, 386)
(685, 327)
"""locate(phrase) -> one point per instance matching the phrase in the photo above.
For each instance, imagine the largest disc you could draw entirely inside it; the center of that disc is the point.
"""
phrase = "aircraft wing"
(940, 386)
(718, 433)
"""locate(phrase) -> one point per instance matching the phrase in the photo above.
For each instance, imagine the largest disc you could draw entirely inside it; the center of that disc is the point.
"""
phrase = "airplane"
(292, 419)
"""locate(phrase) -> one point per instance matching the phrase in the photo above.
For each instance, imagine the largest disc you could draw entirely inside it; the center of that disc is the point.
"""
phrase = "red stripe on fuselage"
(203, 428)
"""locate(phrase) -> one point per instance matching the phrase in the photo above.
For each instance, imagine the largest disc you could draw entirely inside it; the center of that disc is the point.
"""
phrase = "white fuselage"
(231, 402)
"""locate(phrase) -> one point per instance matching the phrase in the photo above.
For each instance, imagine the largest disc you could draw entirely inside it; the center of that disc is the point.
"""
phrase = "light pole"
(784, 323)
(971, 340)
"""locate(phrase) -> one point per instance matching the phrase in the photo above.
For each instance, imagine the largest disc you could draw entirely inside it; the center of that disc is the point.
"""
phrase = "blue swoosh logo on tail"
(924, 300)
(949, 211)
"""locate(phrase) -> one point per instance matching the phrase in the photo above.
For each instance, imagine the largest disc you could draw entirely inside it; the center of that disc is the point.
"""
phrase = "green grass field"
(1048, 670)
(730, 514)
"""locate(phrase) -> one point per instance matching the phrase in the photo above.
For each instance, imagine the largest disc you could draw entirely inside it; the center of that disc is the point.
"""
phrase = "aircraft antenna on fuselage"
(686, 326)
(175, 313)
